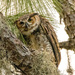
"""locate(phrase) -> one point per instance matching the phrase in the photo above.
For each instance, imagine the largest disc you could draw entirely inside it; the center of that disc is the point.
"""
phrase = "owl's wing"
(51, 36)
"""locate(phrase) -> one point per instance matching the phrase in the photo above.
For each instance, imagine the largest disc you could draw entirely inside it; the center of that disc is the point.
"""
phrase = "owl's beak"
(26, 25)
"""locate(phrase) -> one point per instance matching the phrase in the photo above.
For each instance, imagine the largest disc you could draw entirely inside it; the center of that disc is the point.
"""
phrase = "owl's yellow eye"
(29, 20)
(21, 23)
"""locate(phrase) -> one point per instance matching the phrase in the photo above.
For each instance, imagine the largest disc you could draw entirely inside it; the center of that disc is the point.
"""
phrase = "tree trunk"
(66, 9)
(11, 50)
(15, 56)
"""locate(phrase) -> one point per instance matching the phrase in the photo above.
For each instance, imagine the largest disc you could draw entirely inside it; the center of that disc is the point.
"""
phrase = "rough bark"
(69, 45)
(11, 49)
(14, 54)
(68, 14)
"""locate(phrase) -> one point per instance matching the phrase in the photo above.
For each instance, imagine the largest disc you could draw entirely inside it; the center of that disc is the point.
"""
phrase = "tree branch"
(69, 45)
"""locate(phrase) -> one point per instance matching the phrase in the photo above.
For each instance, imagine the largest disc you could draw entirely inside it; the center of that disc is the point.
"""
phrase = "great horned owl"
(39, 35)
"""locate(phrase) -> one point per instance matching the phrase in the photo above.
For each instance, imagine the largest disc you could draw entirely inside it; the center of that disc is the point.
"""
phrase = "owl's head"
(28, 23)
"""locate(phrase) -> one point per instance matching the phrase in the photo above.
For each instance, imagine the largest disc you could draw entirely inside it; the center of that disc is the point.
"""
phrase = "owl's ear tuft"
(33, 14)
(36, 14)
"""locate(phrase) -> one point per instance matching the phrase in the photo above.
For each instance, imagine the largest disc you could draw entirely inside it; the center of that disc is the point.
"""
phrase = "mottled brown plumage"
(39, 35)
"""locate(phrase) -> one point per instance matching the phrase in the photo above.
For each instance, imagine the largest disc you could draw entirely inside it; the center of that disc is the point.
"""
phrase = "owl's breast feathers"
(51, 36)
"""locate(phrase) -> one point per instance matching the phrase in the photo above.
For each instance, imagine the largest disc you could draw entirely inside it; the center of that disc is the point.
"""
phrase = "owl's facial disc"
(29, 25)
